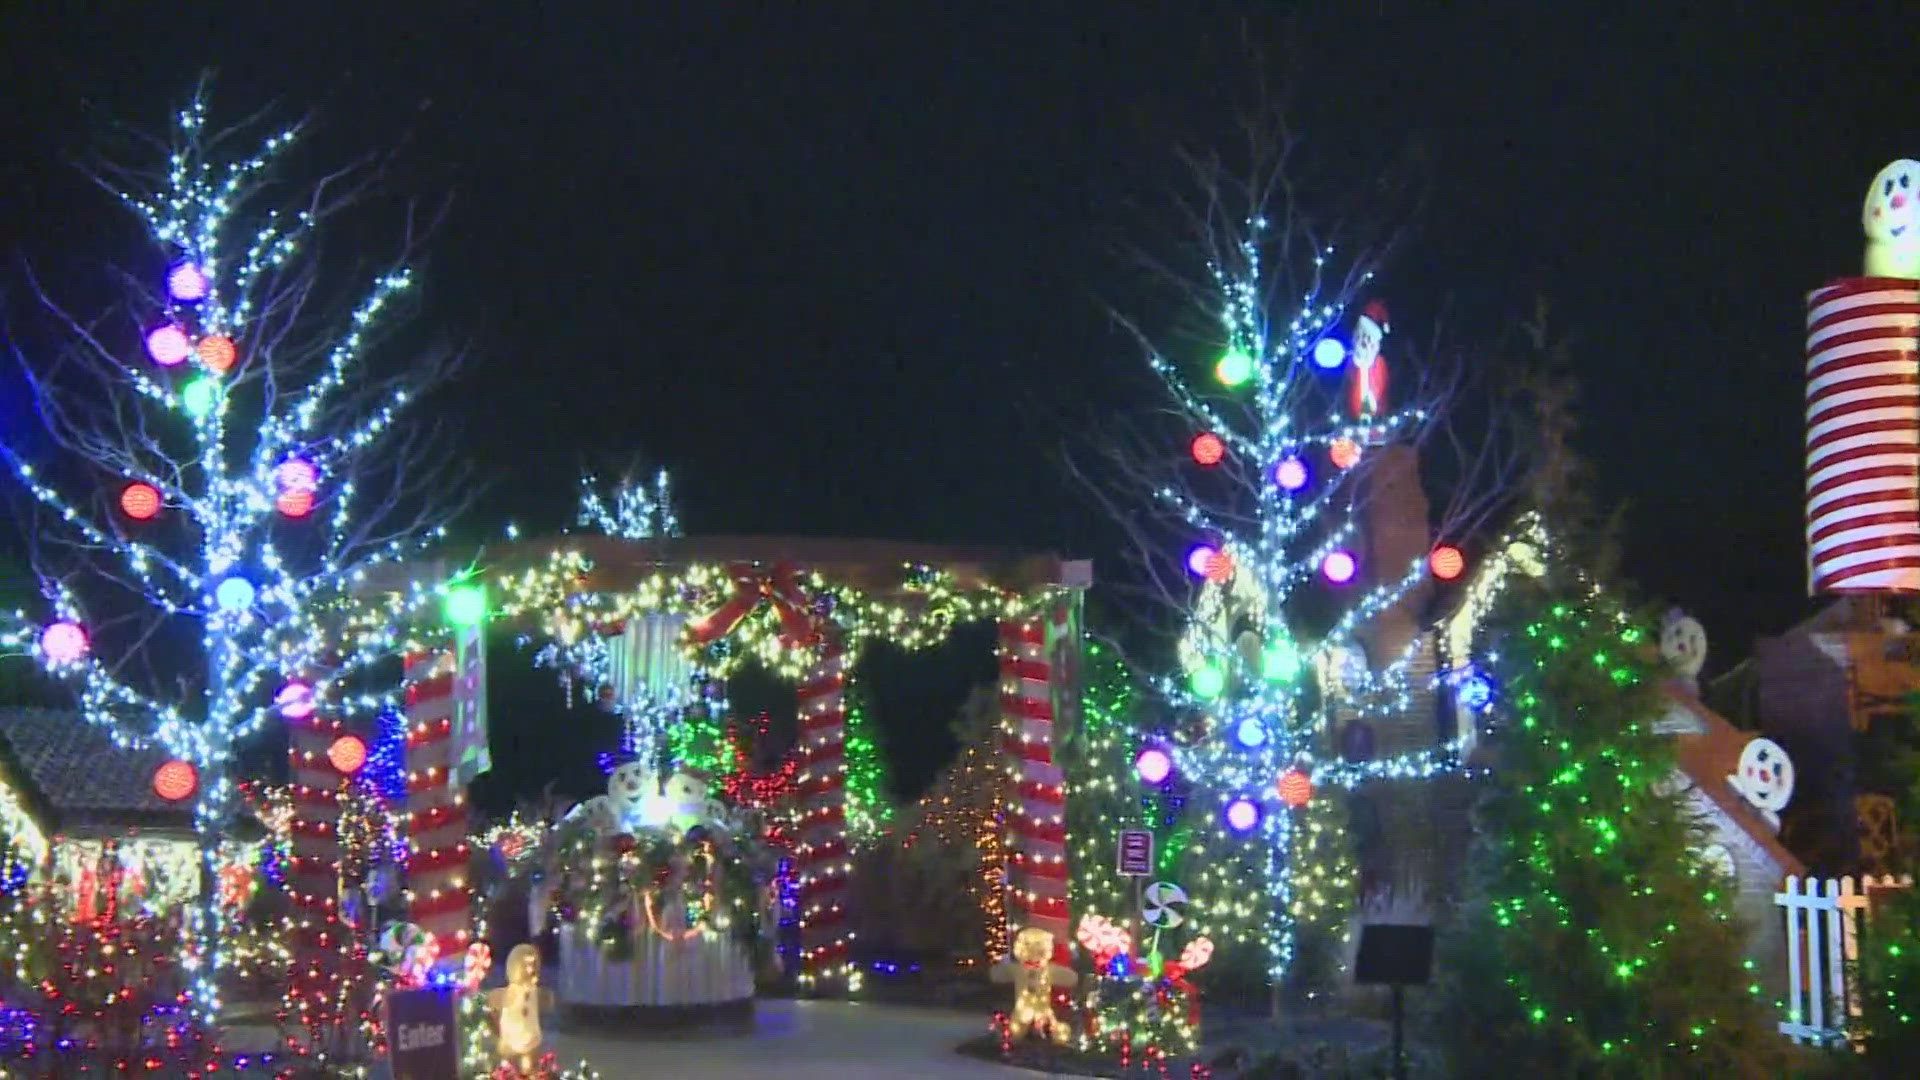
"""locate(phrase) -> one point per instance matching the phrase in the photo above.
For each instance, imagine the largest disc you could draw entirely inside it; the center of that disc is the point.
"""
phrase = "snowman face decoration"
(686, 800)
(1891, 214)
(1683, 644)
(627, 785)
(1765, 775)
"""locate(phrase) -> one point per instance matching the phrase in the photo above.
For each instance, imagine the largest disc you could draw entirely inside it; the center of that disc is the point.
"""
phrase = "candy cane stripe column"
(1863, 436)
(437, 808)
(313, 871)
(821, 855)
(1036, 811)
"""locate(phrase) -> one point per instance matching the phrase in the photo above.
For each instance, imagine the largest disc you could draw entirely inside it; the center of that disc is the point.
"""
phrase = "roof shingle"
(78, 773)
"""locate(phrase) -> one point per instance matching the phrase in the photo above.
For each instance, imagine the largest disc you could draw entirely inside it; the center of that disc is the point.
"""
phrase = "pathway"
(800, 1040)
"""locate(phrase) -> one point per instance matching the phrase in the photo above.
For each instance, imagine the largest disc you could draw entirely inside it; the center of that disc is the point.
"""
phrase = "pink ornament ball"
(295, 700)
(296, 474)
(186, 282)
(1339, 567)
(168, 345)
(64, 642)
(1291, 474)
(1200, 558)
(1242, 814)
(1153, 765)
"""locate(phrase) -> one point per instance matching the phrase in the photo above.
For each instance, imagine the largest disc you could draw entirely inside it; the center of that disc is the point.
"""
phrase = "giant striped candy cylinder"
(1863, 436)
(437, 806)
(1036, 807)
(313, 868)
(821, 854)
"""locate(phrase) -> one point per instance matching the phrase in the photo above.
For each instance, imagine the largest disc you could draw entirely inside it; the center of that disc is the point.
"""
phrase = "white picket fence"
(1823, 928)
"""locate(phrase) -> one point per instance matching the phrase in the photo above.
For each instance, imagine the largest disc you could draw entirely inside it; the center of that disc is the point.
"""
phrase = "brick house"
(1708, 749)
(66, 789)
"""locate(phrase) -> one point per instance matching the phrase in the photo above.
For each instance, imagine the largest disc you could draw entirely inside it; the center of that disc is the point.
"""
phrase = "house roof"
(1708, 750)
(79, 782)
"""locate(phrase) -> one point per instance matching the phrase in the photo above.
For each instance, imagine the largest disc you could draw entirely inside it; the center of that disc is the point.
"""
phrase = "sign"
(1136, 852)
(1393, 954)
(470, 750)
(421, 1031)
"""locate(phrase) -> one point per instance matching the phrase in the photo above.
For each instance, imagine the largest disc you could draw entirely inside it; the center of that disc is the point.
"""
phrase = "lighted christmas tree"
(235, 457)
(1298, 548)
(1600, 943)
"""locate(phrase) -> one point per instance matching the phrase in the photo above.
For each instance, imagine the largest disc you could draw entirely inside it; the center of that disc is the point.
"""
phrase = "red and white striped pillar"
(821, 854)
(1863, 436)
(1037, 805)
(313, 870)
(437, 850)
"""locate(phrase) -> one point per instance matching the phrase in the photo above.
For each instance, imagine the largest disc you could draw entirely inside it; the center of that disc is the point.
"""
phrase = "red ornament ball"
(1295, 787)
(294, 504)
(176, 780)
(1446, 562)
(217, 352)
(1219, 568)
(1343, 452)
(140, 501)
(1208, 449)
(624, 844)
(348, 754)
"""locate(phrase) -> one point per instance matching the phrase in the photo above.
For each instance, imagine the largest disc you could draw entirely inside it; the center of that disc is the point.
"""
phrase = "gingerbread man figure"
(1034, 976)
(518, 1007)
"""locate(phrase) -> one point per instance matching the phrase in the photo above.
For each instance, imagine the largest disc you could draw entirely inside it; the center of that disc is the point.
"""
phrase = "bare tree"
(239, 441)
(1282, 514)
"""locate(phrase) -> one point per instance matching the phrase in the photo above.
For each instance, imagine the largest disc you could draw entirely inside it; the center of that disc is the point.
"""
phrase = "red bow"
(780, 589)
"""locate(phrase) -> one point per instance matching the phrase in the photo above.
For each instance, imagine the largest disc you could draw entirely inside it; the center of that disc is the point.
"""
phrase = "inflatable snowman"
(684, 802)
(634, 796)
(1891, 218)
(1683, 645)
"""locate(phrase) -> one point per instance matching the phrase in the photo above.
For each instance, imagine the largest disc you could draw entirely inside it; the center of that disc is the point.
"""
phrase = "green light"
(1208, 682)
(467, 605)
(199, 397)
(1282, 662)
(1234, 368)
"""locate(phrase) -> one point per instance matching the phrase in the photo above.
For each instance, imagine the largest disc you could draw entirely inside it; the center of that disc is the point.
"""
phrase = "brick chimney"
(1393, 522)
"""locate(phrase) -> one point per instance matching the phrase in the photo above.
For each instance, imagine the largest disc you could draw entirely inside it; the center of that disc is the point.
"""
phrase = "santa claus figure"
(1367, 386)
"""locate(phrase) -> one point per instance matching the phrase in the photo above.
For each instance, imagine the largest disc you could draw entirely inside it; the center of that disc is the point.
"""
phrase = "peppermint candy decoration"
(479, 963)
(410, 950)
(1103, 937)
(1162, 904)
(1197, 953)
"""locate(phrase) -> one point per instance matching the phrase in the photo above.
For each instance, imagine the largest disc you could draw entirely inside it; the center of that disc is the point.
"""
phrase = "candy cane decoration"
(313, 865)
(821, 854)
(1863, 436)
(437, 817)
(1036, 810)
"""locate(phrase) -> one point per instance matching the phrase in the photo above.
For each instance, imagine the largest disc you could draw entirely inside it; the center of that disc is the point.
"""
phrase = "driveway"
(800, 1040)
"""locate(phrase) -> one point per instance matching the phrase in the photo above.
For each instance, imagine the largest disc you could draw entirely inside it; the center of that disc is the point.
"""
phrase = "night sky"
(838, 266)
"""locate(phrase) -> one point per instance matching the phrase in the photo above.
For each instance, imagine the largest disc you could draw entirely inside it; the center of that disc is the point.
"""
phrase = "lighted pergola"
(641, 616)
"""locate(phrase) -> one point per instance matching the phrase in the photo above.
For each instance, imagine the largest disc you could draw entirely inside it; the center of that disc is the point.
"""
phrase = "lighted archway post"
(446, 747)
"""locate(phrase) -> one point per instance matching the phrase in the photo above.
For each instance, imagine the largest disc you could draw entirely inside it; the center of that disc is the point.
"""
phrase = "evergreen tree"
(1889, 966)
(1600, 944)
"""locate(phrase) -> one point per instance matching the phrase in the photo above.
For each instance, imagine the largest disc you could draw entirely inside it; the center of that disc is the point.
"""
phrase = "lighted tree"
(236, 447)
(869, 811)
(1296, 544)
(1597, 943)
